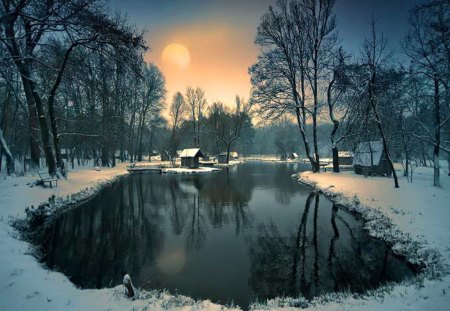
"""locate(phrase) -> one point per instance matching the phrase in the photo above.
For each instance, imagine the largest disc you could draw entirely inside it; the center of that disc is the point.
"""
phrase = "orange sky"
(219, 60)
(219, 35)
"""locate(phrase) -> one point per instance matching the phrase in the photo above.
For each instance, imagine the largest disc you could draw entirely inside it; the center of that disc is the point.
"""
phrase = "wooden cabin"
(370, 159)
(345, 157)
(222, 157)
(191, 157)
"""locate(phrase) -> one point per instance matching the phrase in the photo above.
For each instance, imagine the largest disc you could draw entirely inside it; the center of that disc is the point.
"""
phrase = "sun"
(176, 55)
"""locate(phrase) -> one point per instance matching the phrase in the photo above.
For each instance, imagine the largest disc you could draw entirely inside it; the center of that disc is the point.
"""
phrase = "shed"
(345, 157)
(293, 156)
(191, 157)
(222, 158)
(370, 159)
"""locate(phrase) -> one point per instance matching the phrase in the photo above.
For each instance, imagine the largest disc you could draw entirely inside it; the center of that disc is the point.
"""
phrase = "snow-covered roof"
(345, 154)
(191, 153)
(367, 150)
(234, 154)
(294, 154)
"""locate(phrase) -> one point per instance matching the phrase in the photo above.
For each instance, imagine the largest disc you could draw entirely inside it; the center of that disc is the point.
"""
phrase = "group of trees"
(214, 128)
(73, 84)
(303, 75)
(74, 88)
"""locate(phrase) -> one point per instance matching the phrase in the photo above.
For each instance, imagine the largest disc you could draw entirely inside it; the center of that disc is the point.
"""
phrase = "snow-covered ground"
(26, 285)
(185, 170)
(417, 212)
(415, 219)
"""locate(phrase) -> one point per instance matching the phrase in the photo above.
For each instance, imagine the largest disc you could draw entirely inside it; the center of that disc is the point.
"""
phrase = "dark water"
(247, 233)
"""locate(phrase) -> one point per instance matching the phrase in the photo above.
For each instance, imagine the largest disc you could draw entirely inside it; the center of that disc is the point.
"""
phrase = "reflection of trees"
(225, 197)
(98, 243)
(312, 260)
(196, 232)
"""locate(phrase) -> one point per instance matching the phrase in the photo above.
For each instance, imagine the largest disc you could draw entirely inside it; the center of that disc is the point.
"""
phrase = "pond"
(245, 234)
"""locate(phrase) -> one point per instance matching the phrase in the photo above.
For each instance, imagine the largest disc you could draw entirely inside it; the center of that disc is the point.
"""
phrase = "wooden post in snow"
(128, 286)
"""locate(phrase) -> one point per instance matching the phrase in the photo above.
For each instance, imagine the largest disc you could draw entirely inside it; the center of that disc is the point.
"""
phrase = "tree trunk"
(380, 128)
(437, 134)
(335, 152)
(7, 152)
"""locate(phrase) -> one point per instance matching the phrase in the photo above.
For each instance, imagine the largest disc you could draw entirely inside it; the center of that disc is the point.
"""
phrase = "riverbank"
(25, 284)
(414, 219)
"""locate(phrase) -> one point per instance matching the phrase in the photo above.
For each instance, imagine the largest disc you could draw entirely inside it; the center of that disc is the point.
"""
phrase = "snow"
(417, 212)
(414, 219)
(27, 285)
(191, 153)
(185, 170)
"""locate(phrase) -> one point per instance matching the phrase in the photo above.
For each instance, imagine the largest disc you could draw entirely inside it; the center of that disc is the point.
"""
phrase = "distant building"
(222, 157)
(370, 159)
(190, 157)
(345, 157)
(293, 156)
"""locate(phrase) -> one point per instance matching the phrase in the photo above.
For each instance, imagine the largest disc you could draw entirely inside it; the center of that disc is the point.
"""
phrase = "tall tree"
(196, 101)
(295, 39)
(177, 112)
(374, 56)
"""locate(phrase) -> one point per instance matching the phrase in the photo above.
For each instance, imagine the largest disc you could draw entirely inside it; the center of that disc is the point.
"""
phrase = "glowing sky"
(219, 36)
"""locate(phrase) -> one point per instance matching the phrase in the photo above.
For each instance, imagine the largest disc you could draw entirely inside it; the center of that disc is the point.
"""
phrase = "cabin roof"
(191, 153)
(363, 153)
(234, 154)
(294, 154)
(345, 154)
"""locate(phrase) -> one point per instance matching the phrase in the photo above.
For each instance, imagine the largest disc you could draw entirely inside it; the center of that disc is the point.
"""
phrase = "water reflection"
(316, 258)
(249, 232)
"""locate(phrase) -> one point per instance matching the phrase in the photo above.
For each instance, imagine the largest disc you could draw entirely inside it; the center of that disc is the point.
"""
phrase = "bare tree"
(229, 124)
(178, 111)
(374, 56)
(196, 101)
(295, 40)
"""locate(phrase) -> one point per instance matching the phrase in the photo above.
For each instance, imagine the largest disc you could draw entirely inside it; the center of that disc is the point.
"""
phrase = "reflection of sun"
(171, 261)
(176, 55)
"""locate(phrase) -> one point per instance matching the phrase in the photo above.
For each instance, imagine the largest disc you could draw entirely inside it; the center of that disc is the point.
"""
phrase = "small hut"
(370, 159)
(222, 158)
(293, 156)
(345, 157)
(234, 155)
(191, 157)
